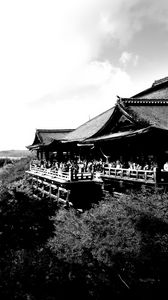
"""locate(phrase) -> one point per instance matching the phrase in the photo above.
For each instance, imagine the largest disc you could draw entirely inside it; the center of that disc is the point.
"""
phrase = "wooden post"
(67, 197)
(157, 175)
(92, 175)
(58, 194)
(38, 156)
(145, 176)
(50, 190)
(70, 174)
(128, 173)
(76, 172)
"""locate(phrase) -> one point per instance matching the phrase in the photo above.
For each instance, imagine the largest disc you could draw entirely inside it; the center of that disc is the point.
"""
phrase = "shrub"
(14, 172)
(119, 246)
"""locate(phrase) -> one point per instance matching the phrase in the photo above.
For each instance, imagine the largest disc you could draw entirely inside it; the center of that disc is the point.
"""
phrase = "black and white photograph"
(83, 149)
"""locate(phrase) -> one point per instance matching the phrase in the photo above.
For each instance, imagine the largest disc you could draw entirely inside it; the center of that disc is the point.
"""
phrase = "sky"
(62, 62)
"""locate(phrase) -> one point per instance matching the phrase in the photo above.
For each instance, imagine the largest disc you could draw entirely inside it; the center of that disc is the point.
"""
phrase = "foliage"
(14, 172)
(102, 243)
(24, 221)
(5, 161)
(118, 248)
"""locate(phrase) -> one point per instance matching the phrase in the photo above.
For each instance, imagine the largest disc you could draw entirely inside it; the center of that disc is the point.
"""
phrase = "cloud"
(120, 20)
(93, 92)
(127, 58)
(51, 51)
(45, 44)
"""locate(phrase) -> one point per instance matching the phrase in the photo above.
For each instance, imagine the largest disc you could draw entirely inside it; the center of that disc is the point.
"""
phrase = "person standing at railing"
(74, 171)
(153, 166)
(80, 166)
(165, 166)
(89, 166)
(118, 164)
(146, 167)
(139, 167)
(48, 165)
(42, 166)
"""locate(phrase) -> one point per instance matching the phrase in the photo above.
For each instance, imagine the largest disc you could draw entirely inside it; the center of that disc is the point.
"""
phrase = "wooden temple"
(130, 139)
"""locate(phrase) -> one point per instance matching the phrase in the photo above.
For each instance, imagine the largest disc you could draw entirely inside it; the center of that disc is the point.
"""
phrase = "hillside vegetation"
(11, 171)
(116, 249)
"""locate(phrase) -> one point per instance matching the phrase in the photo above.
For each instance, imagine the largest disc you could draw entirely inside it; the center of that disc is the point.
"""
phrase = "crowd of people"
(93, 165)
(150, 165)
(78, 165)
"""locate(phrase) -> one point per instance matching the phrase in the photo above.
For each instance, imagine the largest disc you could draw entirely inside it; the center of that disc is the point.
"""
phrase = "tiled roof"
(90, 128)
(46, 136)
(159, 81)
(158, 90)
(150, 112)
(148, 108)
(151, 105)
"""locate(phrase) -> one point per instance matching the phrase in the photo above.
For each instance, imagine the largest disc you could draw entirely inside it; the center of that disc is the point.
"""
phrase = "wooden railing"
(71, 175)
(108, 172)
(130, 174)
(50, 173)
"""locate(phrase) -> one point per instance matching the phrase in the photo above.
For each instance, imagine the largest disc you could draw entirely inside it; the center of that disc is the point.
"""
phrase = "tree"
(118, 246)
(25, 226)
(24, 221)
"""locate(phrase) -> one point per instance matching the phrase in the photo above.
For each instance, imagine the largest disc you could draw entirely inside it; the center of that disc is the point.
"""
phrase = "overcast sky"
(64, 61)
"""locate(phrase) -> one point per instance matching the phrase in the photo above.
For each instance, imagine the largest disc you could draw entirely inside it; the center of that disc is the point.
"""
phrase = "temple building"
(130, 140)
(135, 128)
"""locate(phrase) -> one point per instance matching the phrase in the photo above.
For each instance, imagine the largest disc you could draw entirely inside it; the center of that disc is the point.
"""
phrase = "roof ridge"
(157, 84)
(145, 101)
(159, 81)
(54, 130)
(148, 99)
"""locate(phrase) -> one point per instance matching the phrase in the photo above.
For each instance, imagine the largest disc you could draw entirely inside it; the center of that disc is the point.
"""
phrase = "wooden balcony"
(79, 190)
(143, 176)
(67, 188)
(49, 174)
(59, 175)
(60, 178)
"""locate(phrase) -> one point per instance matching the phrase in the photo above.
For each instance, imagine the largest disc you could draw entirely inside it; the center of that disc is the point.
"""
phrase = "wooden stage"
(82, 189)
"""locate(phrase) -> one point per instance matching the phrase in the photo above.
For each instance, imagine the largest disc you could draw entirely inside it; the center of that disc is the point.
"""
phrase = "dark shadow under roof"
(128, 134)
